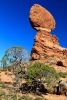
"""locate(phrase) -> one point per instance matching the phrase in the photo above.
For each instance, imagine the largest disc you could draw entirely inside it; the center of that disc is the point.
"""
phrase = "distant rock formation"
(44, 42)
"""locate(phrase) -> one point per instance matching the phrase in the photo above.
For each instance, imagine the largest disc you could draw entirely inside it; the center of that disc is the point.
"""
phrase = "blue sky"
(15, 29)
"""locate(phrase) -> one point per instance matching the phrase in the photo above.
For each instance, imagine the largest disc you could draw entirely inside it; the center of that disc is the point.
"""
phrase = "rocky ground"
(7, 77)
(47, 96)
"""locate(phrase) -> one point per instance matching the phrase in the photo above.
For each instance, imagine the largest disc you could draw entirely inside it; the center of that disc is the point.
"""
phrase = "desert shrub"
(2, 93)
(28, 98)
(63, 74)
(25, 98)
(52, 55)
(39, 71)
(1, 68)
(38, 98)
(10, 97)
(51, 63)
(2, 84)
(7, 68)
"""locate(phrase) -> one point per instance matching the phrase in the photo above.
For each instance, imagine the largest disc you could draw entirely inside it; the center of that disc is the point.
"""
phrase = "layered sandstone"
(44, 42)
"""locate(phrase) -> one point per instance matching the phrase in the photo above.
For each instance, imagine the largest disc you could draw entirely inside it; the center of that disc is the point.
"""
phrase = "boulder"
(6, 78)
(41, 19)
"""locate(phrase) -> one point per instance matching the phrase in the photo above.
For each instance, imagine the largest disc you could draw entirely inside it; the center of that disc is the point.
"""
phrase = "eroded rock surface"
(44, 42)
(62, 63)
(41, 18)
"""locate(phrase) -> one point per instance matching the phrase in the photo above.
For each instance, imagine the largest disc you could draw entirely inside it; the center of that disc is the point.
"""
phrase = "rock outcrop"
(44, 42)
(6, 77)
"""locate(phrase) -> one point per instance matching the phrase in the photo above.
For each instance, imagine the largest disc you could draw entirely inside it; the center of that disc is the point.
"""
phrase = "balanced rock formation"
(44, 42)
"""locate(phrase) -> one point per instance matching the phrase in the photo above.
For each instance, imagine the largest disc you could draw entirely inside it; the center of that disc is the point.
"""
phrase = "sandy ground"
(48, 96)
(55, 97)
(8, 77)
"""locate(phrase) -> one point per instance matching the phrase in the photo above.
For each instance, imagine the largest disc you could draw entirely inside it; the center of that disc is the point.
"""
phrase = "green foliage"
(28, 98)
(38, 98)
(7, 68)
(1, 68)
(2, 93)
(52, 55)
(34, 71)
(40, 70)
(51, 63)
(63, 74)
(25, 98)
(45, 99)
(2, 84)
(10, 97)
(4, 61)
(14, 55)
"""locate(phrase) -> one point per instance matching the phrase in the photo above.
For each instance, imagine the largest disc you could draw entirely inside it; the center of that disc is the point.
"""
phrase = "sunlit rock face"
(44, 42)
(40, 18)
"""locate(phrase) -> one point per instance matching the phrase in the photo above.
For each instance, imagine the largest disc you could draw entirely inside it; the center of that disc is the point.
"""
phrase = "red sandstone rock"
(44, 42)
(62, 63)
(7, 77)
(40, 18)
(65, 52)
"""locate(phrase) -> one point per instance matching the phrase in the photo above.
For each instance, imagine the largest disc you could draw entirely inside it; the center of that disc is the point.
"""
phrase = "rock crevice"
(44, 29)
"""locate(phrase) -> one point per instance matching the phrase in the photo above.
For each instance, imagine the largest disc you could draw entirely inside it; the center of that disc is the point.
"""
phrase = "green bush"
(2, 84)
(52, 55)
(51, 63)
(40, 70)
(63, 74)
(10, 97)
(1, 68)
(28, 98)
(25, 98)
(2, 93)
(38, 98)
